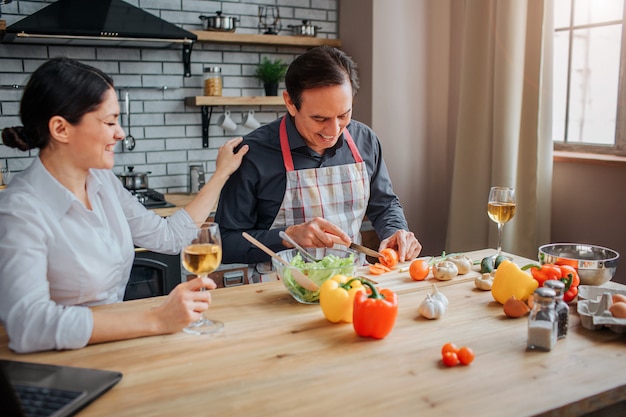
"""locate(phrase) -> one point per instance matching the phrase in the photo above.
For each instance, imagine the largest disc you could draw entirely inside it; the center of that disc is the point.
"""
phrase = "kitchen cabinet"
(207, 103)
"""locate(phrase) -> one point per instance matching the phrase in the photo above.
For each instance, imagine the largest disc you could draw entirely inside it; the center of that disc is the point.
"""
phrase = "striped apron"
(338, 194)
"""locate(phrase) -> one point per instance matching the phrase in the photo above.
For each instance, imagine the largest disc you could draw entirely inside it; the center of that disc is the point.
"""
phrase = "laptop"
(31, 389)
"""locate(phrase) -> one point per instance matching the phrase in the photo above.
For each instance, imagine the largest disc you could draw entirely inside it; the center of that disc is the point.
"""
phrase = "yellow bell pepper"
(510, 281)
(337, 297)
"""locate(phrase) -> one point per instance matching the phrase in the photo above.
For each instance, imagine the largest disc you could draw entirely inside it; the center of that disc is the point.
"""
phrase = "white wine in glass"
(201, 257)
(501, 208)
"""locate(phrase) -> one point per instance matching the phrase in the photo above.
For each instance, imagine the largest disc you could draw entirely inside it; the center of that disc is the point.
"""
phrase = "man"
(313, 173)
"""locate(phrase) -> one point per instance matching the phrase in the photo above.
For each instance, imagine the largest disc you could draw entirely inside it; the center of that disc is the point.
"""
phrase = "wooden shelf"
(243, 38)
(206, 104)
(235, 101)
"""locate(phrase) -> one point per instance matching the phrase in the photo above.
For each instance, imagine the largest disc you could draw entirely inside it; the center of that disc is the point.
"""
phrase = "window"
(589, 101)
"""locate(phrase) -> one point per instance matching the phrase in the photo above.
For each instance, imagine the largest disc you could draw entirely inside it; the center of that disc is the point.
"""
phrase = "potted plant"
(271, 72)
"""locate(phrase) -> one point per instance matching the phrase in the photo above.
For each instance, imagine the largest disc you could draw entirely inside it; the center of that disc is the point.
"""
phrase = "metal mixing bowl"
(596, 264)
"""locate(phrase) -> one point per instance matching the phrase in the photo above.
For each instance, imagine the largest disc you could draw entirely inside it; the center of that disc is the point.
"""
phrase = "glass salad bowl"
(331, 262)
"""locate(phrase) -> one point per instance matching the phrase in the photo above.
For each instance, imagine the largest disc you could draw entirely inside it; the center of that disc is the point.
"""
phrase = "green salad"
(318, 272)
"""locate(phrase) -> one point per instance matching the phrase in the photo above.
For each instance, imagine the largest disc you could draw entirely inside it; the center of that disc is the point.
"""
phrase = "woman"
(69, 227)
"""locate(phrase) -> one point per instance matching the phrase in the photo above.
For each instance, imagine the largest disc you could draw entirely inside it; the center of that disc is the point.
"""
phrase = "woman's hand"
(227, 160)
(404, 242)
(185, 304)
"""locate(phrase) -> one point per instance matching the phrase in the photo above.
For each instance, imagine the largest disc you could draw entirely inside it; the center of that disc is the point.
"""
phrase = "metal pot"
(219, 22)
(305, 29)
(134, 180)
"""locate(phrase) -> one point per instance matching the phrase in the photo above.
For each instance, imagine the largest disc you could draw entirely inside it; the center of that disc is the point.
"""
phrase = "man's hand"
(318, 233)
(405, 243)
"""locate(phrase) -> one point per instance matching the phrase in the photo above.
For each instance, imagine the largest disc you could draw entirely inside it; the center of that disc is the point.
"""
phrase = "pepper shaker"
(561, 307)
(542, 321)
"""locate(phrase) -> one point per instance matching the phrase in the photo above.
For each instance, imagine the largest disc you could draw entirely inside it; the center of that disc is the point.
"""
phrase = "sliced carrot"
(378, 269)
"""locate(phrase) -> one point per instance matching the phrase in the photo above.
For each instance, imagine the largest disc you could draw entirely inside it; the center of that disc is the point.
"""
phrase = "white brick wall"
(167, 132)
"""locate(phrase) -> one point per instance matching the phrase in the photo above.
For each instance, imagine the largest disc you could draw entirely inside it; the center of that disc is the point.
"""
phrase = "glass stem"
(500, 225)
(205, 312)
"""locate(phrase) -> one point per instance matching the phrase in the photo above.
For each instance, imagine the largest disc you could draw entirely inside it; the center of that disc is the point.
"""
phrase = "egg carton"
(593, 309)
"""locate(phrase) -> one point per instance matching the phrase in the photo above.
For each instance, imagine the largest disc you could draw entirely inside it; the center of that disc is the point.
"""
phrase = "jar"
(542, 321)
(561, 307)
(212, 81)
(196, 178)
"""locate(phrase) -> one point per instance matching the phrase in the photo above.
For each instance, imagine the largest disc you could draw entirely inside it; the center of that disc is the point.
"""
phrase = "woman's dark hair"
(60, 87)
(322, 66)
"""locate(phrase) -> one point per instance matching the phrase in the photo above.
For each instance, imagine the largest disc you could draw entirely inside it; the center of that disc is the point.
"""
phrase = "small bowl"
(316, 272)
(596, 264)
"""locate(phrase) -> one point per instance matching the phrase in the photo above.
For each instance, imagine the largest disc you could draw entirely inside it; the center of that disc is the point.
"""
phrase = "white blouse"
(57, 257)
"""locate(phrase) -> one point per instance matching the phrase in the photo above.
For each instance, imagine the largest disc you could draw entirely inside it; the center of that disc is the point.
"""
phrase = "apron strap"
(284, 145)
(286, 151)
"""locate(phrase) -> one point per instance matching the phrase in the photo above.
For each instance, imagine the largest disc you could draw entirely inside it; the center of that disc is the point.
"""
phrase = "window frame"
(619, 146)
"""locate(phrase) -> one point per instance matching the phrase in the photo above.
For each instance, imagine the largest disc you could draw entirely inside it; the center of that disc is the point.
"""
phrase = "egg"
(619, 298)
(618, 310)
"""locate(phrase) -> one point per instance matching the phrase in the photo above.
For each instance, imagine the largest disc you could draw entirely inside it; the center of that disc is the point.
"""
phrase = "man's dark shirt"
(253, 194)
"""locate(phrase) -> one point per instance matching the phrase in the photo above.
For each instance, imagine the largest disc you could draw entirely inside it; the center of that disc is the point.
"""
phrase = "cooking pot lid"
(131, 172)
(216, 15)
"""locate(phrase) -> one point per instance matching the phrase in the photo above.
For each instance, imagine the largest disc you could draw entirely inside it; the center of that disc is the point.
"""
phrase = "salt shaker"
(562, 309)
(542, 321)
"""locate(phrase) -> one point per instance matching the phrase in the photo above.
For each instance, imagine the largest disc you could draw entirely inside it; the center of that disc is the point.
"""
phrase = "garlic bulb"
(434, 305)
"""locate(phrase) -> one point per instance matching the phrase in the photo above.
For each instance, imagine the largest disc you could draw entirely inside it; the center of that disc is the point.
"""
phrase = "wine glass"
(501, 208)
(269, 19)
(201, 257)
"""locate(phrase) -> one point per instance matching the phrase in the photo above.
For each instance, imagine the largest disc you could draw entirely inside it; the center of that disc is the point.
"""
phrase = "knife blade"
(365, 250)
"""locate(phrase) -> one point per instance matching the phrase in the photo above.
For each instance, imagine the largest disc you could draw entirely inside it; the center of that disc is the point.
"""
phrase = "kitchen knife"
(356, 247)
(363, 249)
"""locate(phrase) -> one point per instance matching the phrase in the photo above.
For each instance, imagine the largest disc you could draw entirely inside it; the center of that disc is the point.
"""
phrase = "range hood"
(101, 23)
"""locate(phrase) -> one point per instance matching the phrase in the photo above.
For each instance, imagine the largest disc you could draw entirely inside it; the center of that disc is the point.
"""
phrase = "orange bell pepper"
(544, 272)
(374, 314)
(565, 273)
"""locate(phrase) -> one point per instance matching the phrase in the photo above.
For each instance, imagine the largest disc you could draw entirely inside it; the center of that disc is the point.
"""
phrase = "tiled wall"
(167, 132)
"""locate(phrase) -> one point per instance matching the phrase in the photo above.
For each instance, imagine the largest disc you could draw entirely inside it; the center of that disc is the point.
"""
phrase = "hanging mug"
(226, 123)
(250, 121)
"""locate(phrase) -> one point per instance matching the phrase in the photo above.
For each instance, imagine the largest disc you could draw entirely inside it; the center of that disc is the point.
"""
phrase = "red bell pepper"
(570, 278)
(374, 314)
(565, 273)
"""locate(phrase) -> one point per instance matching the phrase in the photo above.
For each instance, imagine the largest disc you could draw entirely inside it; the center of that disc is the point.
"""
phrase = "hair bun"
(16, 137)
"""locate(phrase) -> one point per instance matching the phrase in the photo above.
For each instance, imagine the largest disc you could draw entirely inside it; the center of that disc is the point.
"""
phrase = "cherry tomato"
(449, 347)
(419, 270)
(450, 359)
(465, 355)
(378, 269)
(388, 257)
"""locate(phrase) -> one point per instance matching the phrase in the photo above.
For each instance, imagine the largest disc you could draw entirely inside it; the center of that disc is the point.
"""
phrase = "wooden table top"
(277, 357)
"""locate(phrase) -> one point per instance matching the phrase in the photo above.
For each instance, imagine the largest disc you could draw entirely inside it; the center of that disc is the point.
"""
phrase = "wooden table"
(277, 357)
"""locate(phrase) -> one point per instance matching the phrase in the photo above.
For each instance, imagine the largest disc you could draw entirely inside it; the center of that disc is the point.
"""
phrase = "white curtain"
(504, 124)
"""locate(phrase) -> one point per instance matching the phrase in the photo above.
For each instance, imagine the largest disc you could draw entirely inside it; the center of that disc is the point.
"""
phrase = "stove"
(151, 198)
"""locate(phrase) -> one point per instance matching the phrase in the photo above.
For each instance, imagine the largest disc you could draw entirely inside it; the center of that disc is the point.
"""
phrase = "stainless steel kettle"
(196, 178)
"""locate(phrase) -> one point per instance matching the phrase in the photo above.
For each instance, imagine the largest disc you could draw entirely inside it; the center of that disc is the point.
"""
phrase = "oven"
(153, 274)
